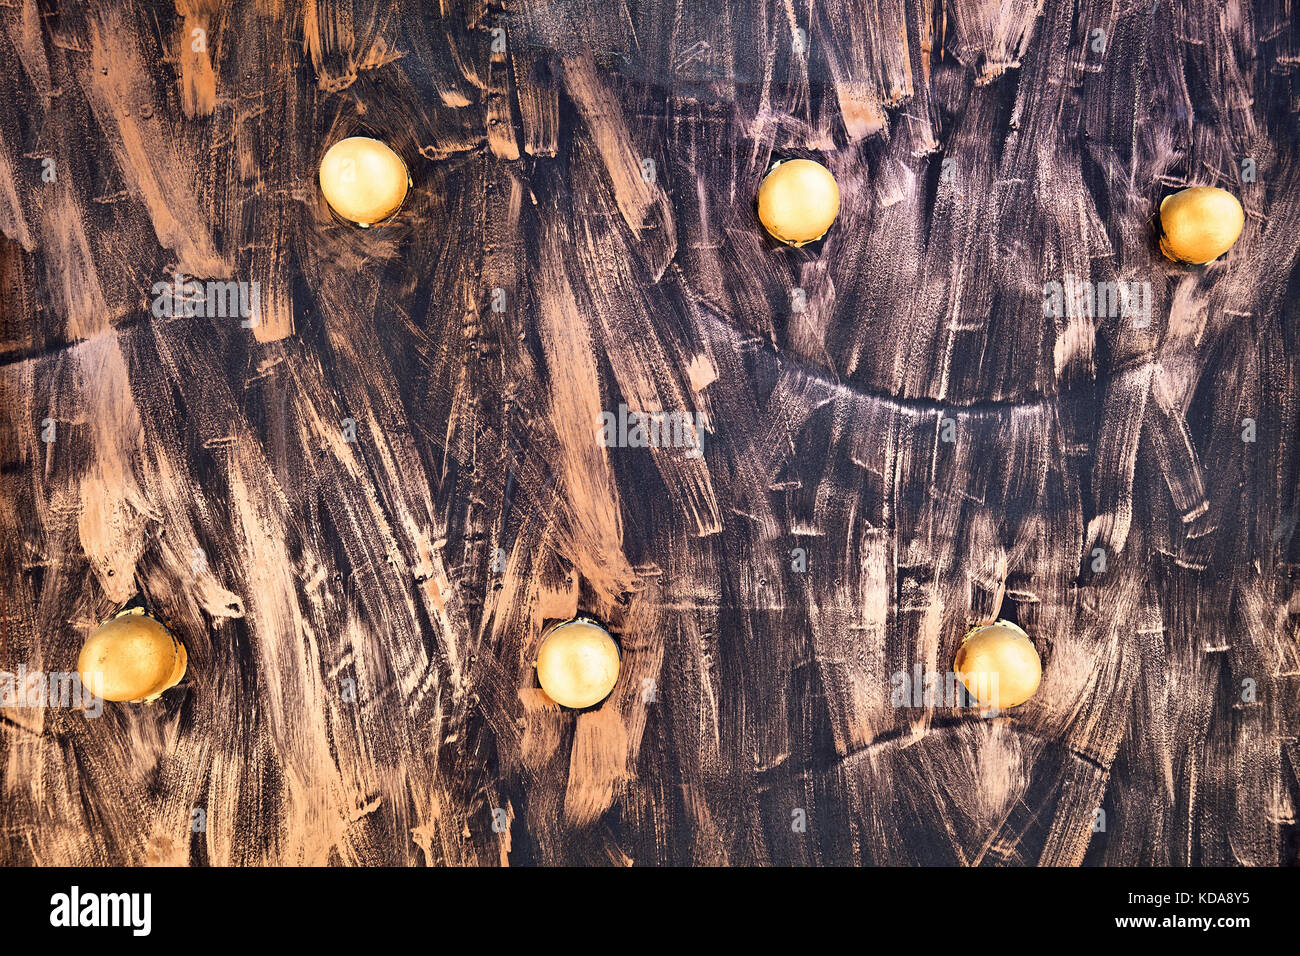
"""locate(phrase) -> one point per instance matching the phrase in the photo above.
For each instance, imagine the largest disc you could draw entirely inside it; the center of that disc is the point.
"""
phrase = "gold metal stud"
(577, 664)
(131, 657)
(363, 180)
(798, 201)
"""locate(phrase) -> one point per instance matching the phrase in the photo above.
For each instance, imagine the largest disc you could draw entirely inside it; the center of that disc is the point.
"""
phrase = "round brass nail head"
(577, 664)
(363, 180)
(1199, 224)
(131, 657)
(999, 665)
(798, 201)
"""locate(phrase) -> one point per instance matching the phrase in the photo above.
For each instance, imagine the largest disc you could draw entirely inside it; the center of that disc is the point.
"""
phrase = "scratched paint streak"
(119, 94)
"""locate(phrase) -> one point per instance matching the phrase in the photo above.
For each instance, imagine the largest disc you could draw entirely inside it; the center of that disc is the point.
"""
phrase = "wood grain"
(982, 149)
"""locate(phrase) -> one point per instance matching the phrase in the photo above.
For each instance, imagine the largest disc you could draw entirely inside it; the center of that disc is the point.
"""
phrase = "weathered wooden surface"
(204, 464)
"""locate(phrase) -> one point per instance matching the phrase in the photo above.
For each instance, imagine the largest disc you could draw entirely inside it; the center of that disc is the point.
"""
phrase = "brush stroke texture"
(982, 149)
